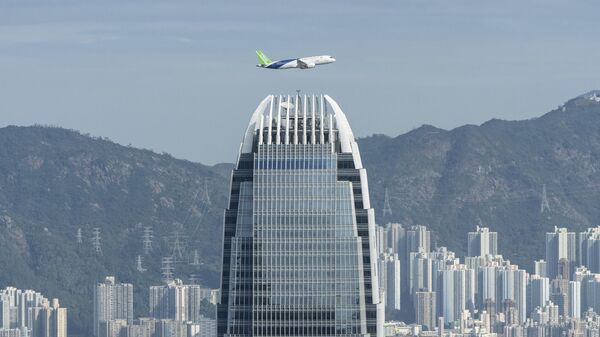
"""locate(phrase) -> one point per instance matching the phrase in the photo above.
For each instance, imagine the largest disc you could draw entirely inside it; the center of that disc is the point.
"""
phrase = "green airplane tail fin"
(262, 58)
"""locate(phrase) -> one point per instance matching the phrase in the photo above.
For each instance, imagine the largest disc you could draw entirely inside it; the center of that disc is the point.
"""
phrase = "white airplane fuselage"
(302, 63)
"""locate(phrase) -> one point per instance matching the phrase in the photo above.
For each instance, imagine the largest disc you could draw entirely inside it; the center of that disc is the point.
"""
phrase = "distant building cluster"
(27, 313)
(176, 310)
(486, 295)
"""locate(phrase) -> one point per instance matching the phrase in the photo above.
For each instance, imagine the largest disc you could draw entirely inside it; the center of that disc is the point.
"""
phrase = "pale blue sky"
(180, 76)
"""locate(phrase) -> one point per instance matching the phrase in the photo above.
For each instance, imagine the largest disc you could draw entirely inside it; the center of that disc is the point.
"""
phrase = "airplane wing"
(304, 64)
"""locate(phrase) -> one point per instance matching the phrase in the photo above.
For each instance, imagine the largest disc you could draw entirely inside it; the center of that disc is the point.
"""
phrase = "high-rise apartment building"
(425, 309)
(112, 301)
(540, 268)
(421, 272)
(589, 249)
(559, 295)
(538, 292)
(513, 282)
(574, 299)
(560, 244)
(52, 321)
(457, 291)
(299, 255)
(5, 312)
(482, 242)
(391, 269)
(170, 301)
(29, 313)
(181, 302)
(591, 300)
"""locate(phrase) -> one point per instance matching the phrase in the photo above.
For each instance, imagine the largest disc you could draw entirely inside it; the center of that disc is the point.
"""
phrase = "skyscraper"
(299, 239)
(560, 244)
(482, 242)
(112, 301)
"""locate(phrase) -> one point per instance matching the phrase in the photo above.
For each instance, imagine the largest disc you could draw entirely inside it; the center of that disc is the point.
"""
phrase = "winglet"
(262, 58)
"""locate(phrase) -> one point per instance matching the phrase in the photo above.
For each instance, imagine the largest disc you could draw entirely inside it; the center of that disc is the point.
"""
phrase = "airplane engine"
(305, 65)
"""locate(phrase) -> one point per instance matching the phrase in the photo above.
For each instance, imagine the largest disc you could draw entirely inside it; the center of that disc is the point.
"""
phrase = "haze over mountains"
(55, 181)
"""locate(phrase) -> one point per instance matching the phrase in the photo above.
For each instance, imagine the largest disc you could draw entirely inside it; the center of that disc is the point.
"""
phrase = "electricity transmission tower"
(79, 236)
(193, 279)
(96, 240)
(545, 205)
(177, 246)
(167, 269)
(387, 208)
(205, 194)
(196, 259)
(139, 266)
(147, 239)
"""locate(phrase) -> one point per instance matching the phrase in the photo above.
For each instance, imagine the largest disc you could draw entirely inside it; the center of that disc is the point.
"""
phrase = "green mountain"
(54, 182)
(494, 175)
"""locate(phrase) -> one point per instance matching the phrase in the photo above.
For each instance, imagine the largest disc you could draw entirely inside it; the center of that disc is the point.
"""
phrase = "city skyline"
(432, 170)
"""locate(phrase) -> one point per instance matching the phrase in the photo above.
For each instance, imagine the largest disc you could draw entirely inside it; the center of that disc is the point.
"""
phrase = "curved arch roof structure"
(294, 119)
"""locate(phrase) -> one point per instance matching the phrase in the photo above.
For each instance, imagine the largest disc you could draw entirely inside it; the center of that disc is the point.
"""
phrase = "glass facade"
(296, 258)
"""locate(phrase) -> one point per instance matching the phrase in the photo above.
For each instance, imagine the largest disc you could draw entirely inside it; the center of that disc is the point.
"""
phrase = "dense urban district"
(94, 225)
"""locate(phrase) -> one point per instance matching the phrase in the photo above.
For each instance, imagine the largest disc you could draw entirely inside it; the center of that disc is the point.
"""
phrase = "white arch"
(253, 125)
(346, 137)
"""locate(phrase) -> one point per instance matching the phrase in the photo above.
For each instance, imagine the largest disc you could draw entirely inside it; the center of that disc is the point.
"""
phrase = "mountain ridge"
(54, 181)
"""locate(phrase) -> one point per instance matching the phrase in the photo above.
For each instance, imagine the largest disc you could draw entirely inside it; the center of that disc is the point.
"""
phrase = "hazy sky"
(180, 77)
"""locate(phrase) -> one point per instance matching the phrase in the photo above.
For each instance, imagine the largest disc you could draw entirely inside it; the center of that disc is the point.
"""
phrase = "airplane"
(302, 63)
